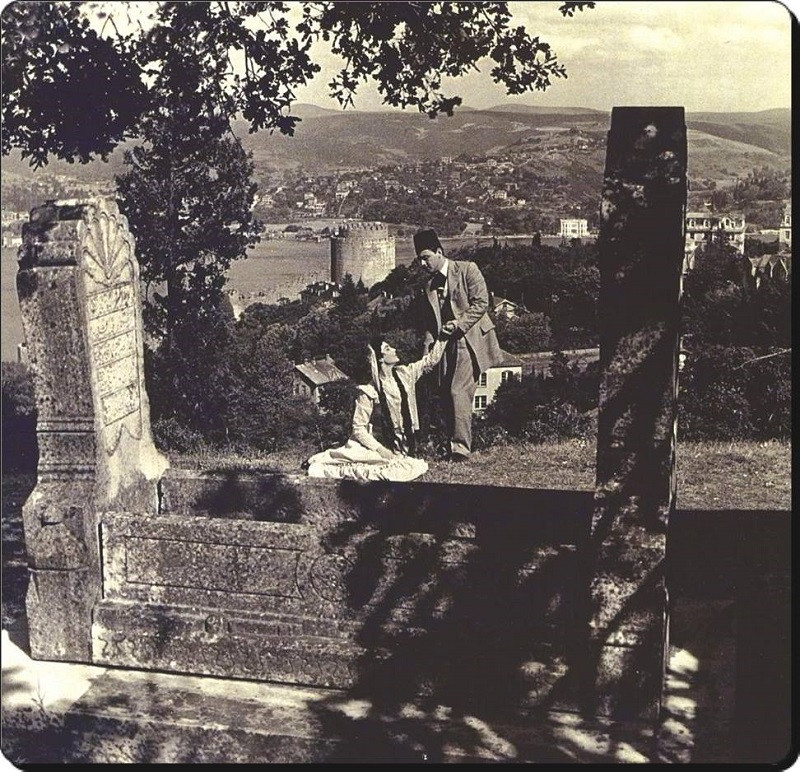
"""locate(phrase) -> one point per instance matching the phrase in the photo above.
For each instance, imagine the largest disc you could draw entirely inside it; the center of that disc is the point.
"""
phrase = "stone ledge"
(92, 714)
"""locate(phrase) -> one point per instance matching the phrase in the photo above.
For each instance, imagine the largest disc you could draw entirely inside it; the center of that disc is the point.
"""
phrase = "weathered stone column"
(78, 285)
(641, 253)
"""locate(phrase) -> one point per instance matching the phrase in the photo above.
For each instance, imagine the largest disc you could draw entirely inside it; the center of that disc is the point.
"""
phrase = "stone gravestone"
(78, 286)
(640, 253)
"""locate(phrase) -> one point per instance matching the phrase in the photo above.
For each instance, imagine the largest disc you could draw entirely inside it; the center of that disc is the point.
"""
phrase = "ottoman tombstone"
(78, 286)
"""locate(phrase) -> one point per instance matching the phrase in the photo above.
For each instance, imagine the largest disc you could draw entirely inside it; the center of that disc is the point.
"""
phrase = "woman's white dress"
(358, 458)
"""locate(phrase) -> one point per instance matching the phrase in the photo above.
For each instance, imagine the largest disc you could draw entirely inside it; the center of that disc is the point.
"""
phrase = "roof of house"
(768, 263)
(509, 360)
(505, 301)
(320, 371)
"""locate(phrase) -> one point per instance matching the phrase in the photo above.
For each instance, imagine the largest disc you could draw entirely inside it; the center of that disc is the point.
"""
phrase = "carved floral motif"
(107, 246)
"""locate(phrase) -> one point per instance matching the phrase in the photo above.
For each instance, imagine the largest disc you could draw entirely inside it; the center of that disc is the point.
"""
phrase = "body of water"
(273, 269)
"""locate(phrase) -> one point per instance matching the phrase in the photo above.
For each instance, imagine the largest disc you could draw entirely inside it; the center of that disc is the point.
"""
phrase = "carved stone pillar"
(641, 251)
(78, 285)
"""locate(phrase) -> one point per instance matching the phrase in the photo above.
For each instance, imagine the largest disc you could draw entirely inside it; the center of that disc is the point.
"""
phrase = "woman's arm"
(362, 415)
(428, 362)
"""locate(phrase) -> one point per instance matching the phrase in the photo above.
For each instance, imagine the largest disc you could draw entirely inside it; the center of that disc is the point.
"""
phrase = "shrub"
(20, 450)
(486, 434)
(170, 434)
(556, 420)
(713, 401)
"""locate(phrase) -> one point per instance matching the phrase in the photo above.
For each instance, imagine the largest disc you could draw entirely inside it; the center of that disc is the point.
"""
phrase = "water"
(273, 269)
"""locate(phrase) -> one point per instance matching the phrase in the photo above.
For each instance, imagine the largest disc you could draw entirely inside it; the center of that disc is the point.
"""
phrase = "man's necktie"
(438, 283)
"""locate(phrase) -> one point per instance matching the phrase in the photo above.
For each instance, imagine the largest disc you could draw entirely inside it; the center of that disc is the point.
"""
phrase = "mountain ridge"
(326, 140)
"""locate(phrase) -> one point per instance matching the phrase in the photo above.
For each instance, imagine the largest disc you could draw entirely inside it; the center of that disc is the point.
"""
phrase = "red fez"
(426, 239)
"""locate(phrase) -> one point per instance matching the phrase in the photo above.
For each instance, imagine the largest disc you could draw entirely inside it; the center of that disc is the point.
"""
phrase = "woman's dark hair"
(375, 343)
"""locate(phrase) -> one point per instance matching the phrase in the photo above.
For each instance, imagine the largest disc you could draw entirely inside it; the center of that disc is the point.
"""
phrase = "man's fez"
(426, 239)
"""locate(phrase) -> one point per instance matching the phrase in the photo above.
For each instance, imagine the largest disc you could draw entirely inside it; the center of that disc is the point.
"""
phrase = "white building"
(785, 232)
(489, 382)
(506, 308)
(312, 376)
(574, 228)
(702, 227)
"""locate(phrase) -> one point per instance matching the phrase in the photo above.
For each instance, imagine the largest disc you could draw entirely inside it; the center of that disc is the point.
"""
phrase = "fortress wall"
(364, 250)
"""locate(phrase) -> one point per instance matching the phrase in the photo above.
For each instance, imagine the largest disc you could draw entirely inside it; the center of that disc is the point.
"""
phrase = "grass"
(711, 475)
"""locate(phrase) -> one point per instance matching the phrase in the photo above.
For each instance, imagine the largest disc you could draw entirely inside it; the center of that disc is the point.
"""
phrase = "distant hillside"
(777, 116)
(15, 168)
(510, 107)
(721, 145)
(776, 138)
(361, 139)
(717, 158)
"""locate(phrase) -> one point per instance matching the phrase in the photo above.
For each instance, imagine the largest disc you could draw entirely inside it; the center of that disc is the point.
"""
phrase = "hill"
(721, 145)
(522, 109)
(370, 139)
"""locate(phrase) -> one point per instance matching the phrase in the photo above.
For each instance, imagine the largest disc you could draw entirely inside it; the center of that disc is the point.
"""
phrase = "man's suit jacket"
(469, 300)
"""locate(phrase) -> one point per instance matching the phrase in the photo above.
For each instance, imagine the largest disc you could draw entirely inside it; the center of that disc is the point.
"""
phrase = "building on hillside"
(703, 226)
(8, 216)
(311, 377)
(11, 239)
(779, 265)
(574, 228)
(489, 382)
(505, 307)
(785, 232)
(320, 290)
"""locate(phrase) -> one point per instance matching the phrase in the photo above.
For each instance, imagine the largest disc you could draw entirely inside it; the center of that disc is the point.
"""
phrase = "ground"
(711, 475)
(701, 713)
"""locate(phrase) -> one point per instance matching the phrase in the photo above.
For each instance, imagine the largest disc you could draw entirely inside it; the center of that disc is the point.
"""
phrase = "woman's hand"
(448, 328)
(385, 453)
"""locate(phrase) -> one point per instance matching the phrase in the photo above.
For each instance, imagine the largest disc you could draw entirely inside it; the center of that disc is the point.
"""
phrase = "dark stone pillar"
(78, 285)
(641, 252)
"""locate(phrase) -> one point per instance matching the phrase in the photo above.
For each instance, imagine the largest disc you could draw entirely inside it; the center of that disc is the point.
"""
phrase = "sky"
(704, 55)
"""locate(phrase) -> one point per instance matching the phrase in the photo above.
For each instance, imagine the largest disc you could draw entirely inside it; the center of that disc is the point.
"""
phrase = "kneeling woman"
(392, 387)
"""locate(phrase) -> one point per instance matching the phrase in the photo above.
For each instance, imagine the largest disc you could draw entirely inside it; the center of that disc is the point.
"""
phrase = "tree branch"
(766, 356)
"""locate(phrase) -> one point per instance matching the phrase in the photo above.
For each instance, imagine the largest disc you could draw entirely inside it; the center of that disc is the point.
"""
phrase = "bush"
(556, 420)
(769, 395)
(486, 434)
(20, 449)
(170, 434)
(713, 400)
(538, 409)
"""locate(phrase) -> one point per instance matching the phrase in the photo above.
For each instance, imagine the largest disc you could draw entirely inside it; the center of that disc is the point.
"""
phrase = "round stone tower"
(365, 250)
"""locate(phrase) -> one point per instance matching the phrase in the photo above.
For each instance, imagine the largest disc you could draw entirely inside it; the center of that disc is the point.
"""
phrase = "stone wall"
(465, 592)
(365, 250)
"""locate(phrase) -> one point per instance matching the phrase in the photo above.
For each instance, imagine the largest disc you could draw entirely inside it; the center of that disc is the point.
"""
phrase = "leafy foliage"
(562, 283)
(73, 93)
(66, 90)
(537, 409)
(763, 183)
(188, 198)
(524, 333)
(736, 382)
(19, 418)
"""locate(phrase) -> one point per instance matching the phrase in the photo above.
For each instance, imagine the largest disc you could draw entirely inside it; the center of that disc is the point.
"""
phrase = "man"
(456, 304)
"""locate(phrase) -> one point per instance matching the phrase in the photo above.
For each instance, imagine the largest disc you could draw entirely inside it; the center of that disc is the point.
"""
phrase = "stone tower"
(365, 250)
